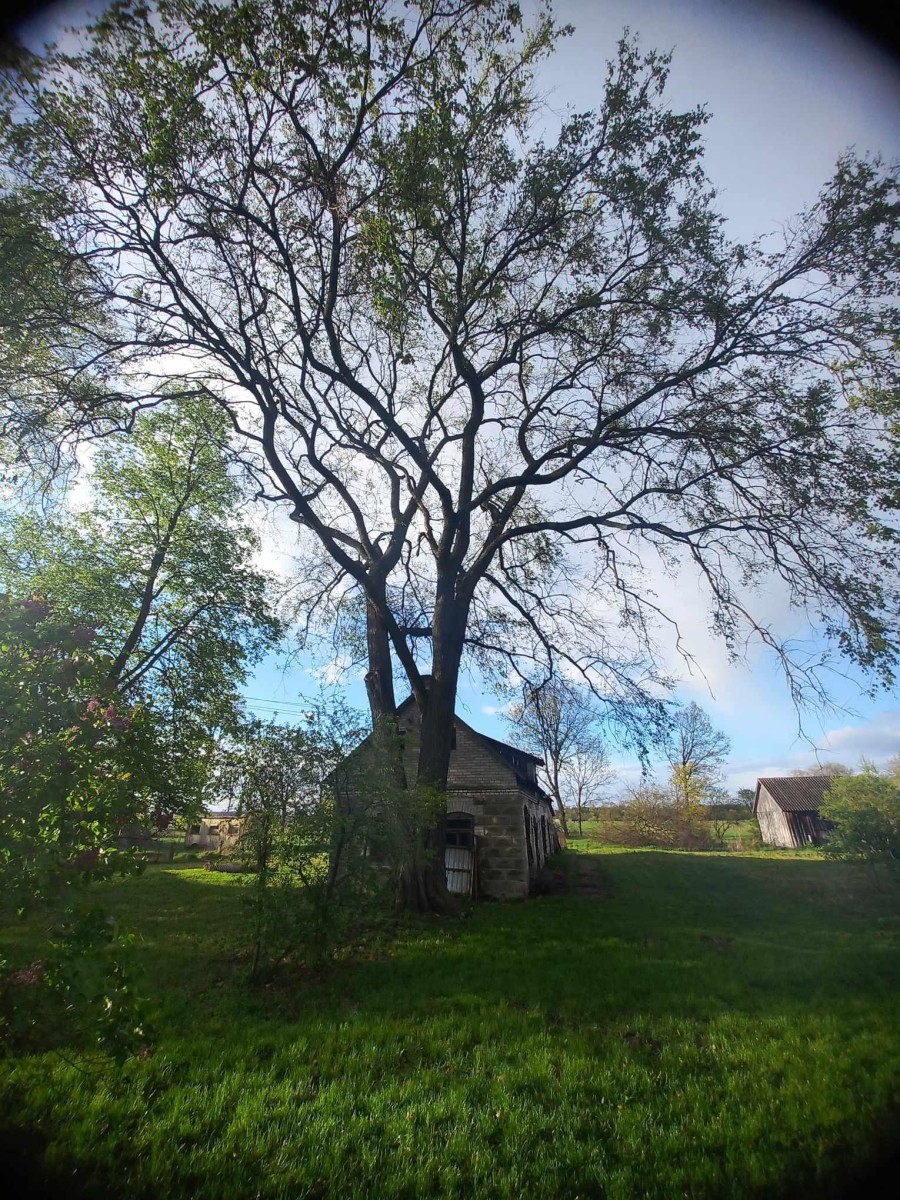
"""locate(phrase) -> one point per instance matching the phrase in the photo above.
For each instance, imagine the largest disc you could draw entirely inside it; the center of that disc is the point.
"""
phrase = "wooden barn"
(500, 825)
(787, 809)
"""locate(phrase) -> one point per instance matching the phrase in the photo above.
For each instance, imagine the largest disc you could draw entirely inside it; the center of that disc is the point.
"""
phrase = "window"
(460, 829)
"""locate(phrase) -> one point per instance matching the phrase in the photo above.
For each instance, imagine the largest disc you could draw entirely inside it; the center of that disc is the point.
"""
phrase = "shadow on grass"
(717, 1014)
(683, 935)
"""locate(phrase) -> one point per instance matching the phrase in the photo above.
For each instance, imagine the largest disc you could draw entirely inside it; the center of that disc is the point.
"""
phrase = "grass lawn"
(725, 1025)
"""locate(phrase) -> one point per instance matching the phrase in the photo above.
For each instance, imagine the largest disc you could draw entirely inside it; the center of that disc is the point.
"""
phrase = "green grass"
(726, 1025)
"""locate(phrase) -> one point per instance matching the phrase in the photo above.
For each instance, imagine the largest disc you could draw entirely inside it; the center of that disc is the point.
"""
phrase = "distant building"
(215, 832)
(787, 809)
(500, 825)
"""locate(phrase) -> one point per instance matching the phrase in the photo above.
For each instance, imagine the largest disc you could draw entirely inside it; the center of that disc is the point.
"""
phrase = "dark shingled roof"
(511, 753)
(795, 793)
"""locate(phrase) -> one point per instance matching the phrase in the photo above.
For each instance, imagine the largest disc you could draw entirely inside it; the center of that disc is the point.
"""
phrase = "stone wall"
(480, 782)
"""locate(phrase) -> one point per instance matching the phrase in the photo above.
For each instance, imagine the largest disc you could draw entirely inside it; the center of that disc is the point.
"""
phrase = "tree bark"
(428, 891)
(557, 794)
(380, 675)
(421, 883)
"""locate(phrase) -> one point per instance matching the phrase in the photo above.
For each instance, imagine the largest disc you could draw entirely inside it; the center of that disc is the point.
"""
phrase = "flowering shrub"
(74, 763)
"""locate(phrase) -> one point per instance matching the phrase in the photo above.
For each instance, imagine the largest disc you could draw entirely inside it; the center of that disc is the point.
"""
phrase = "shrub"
(864, 813)
(324, 848)
(653, 817)
(748, 840)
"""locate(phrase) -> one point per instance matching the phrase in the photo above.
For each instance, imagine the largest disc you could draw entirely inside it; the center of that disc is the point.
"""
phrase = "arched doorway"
(528, 825)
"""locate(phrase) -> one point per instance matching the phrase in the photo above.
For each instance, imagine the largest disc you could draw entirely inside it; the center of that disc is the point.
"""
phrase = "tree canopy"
(158, 558)
(863, 813)
(562, 722)
(695, 751)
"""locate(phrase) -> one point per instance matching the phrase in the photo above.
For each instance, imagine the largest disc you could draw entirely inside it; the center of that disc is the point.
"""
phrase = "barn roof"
(795, 793)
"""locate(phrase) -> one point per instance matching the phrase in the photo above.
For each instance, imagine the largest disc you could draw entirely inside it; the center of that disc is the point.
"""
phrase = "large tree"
(156, 557)
(695, 751)
(56, 376)
(494, 362)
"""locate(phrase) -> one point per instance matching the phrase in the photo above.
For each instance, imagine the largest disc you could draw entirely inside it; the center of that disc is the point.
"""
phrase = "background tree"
(495, 371)
(695, 751)
(864, 812)
(587, 779)
(561, 721)
(834, 768)
(159, 563)
(656, 816)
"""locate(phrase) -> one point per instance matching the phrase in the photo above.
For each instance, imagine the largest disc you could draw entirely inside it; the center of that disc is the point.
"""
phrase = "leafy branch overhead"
(159, 560)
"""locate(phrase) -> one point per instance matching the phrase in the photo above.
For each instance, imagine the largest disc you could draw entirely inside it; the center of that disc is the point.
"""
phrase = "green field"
(724, 1025)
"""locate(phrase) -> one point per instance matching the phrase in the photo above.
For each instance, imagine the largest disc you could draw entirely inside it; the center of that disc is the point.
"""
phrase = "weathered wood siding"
(774, 827)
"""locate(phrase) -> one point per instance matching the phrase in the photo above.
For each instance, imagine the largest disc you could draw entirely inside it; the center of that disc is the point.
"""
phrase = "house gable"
(476, 760)
(496, 785)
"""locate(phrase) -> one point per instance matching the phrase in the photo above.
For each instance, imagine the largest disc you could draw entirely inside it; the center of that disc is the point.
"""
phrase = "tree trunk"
(427, 892)
(380, 675)
(421, 883)
(557, 796)
(561, 808)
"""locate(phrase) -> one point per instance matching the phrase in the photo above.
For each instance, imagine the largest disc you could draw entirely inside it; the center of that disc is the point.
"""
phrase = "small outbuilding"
(500, 825)
(216, 832)
(787, 809)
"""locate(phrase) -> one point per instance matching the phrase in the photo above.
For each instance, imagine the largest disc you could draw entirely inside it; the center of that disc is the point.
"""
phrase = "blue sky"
(789, 88)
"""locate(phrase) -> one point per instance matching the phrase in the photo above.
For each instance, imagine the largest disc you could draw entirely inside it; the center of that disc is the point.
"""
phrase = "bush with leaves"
(864, 813)
(80, 995)
(655, 816)
(322, 834)
(75, 766)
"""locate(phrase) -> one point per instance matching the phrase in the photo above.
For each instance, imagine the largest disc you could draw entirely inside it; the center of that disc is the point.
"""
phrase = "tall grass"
(723, 1026)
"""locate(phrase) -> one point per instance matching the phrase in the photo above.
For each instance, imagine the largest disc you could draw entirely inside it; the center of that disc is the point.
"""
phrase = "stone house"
(787, 809)
(500, 825)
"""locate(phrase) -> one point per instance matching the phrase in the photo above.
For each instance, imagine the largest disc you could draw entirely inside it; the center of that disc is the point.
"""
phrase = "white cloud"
(875, 739)
(336, 671)
(495, 710)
